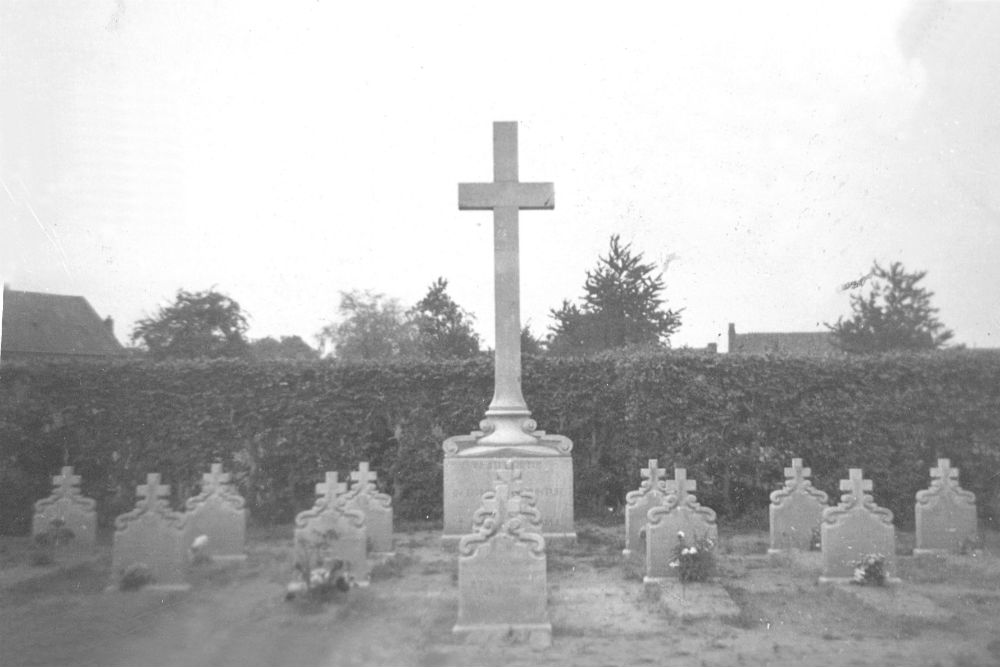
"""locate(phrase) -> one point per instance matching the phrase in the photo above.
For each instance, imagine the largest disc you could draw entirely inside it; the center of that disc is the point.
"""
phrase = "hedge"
(734, 421)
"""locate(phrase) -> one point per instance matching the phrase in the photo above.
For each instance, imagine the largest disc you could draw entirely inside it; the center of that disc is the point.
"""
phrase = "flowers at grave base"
(320, 579)
(816, 539)
(870, 571)
(199, 550)
(135, 577)
(696, 561)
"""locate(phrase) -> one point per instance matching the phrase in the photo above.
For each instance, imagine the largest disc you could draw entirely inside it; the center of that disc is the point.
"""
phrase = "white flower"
(297, 586)
(199, 543)
(674, 564)
(319, 576)
(680, 534)
(685, 551)
(693, 550)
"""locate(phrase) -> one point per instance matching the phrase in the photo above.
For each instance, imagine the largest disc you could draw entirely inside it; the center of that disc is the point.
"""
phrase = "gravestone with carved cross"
(854, 529)
(151, 538)
(218, 513)
(796, 510)
(945, 513)
(332, 530)
(376, 506)
(66, 509)
(652, 492)
(679, 515)
(502, 585)
(507, 431)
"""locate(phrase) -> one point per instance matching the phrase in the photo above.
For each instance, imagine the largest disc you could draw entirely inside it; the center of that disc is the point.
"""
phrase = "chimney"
(732, 338)
(712, 348)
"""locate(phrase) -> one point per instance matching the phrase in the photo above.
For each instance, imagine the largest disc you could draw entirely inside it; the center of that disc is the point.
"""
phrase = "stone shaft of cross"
(856, 483)
(505, 196)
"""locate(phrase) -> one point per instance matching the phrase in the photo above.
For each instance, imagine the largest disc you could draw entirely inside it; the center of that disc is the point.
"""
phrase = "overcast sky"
(283, 152)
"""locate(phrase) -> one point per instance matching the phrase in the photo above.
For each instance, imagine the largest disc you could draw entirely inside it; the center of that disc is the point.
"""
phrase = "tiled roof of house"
(39, 325)
(808, 343)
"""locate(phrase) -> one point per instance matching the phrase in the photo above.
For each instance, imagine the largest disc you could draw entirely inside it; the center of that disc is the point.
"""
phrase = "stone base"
(850, 580)
(155, 588)
(229, 558)
(550, 478)
(538, 635)
(932, 552)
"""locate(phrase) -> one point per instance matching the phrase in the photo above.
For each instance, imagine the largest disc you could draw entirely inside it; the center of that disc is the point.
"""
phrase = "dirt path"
(944, 614)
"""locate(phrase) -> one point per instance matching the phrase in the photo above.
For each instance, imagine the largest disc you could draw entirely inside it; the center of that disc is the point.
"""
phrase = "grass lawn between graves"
(945, 612)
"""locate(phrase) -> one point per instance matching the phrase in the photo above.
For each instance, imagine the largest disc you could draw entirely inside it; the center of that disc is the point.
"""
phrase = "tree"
(443, 329)
(197, 325)
(530, 345)
(895, 315)
(622, 307)
(289, 347)
(371, 327)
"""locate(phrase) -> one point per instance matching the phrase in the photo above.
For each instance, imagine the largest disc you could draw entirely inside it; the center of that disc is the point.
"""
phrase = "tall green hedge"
(733, 421)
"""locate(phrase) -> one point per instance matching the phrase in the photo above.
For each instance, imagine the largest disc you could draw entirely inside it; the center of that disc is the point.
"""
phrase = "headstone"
(218, 513)
(855, 528)
(679, 513)
(67, 508)
(652, 492)
(376, 506)
(945, 513)
(152, 536)
(796, 510)
(507, 432)
(331, 530)
(502, 590)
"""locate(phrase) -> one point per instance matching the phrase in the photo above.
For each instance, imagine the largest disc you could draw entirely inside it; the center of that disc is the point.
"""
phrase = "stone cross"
(66, 483)
(505, 196)
(152, 493)
(944, 475)
(331, 489)
(856, 484)
(215, 480)
(363, 478)
(652, 476)
(797, 474)
(680, 485)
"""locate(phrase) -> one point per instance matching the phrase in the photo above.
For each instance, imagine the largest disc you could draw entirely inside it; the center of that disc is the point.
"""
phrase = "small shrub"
(870, 571)
(135, 577)
(694, 562)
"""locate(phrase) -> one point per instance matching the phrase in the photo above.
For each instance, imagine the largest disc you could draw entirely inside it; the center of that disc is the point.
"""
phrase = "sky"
(761, 154)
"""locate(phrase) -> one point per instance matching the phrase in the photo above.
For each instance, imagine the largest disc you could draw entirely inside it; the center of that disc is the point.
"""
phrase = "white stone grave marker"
(652, 492)
(330, 530)
(152, 536)
(376, 506)
(218, 513)
(679, 513)
(796, 510)
(66, 507)
(854, 529)
(945, 513)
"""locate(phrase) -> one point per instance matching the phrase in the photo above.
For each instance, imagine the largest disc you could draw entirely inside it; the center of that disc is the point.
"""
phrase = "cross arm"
(488, 196)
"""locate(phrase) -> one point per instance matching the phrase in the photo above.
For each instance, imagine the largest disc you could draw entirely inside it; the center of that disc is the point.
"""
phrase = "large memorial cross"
(506, 196)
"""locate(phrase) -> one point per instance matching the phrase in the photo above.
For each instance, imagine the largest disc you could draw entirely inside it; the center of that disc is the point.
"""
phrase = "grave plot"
(66, 518)
(502, 584)
(796, 510)
(854, 530)
(331, 531)
(217, 513)
(681, 514)
(377, 508)
(149, 541)
(945, 513)
(652, 492)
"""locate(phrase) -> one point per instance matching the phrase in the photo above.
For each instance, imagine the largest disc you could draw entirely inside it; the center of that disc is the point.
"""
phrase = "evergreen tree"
(622, 307)
(197, 325)
(896, 314)
(443, 329)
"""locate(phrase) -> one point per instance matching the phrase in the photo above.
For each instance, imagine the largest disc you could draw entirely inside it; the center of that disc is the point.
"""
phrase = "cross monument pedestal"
(507, 433)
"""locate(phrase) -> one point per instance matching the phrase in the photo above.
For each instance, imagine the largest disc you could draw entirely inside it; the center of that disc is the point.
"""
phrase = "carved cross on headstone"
(214, 481)
(66, 483)
(502, 504)
(944, 475)
(797, 474)
(856, 485)
(363, 478)
(330, 489)
(505, 196)
(680, 485)
(652, 477)
(152, 493)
